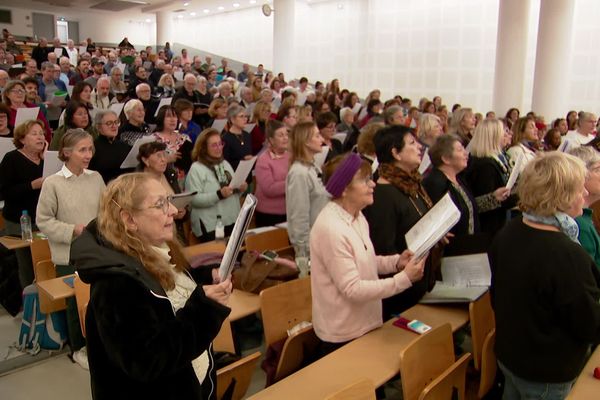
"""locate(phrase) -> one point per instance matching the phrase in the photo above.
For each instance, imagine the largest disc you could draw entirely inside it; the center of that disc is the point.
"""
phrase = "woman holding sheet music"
(13, 96)
(20, 183)
(179, 145)
(151, 319)
(210, 176)
(238, 143)
(545, 287)
(346, 290)
(399, 202)
(487, 175)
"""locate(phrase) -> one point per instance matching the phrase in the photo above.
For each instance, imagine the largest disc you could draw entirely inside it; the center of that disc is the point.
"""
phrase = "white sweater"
(65, 201)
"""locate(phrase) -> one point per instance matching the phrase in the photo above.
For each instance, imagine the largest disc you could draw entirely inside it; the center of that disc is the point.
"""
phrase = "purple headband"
(343, 175)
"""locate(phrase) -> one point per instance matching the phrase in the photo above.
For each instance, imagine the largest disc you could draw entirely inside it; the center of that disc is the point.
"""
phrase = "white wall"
(101, 26)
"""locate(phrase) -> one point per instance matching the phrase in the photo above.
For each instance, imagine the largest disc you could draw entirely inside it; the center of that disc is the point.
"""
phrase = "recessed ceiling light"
(236, 5)
(193, 14)
(221, 8)
(180, 16)
(186, 4)
(148, 20)
(252, 1)
(206, 11)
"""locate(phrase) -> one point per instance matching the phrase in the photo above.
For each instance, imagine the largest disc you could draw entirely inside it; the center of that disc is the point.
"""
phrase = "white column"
(511, 52)
(552, 58)
(284, 49)
(164, 28)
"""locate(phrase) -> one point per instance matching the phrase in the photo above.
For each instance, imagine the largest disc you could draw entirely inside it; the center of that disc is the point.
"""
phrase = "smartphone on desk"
(411, 325)
(269, 255)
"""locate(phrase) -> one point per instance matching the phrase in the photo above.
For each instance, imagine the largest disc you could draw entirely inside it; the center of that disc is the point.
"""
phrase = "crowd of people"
(349, 177)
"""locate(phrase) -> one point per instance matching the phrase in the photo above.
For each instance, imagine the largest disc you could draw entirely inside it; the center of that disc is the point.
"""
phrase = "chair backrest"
(40, 251)
(224, 339)
(488, 365)
(296, 350)
(483, 321)
(424, 359)
(270, 240)
(284, 306)
(82, 297)
(241, 371)
(361, 390)
(442, 387)
(45, 270)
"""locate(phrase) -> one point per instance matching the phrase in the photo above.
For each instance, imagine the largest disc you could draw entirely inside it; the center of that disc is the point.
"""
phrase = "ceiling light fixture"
(180, 16)
(221, 8)
(236, 5)
(148, 20)
(206, 11)
(186, 4)
(252, 1)
(193, 14)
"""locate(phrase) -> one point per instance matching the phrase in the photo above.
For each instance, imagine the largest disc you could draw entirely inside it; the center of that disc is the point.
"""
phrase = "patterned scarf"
(409, 183)
(562, 221)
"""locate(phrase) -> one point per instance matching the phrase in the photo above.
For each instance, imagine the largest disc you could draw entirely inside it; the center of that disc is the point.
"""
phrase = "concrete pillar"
(551, 59)
(284, 49)
(164, 28)
(511, 51)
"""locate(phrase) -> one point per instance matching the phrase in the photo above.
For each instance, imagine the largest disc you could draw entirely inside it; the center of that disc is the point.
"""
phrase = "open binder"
(237, 237)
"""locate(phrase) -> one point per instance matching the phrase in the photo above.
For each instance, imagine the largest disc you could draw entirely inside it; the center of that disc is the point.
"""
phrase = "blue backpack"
(38, 330)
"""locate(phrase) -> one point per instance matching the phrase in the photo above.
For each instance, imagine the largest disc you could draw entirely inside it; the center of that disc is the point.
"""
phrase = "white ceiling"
(194, 6)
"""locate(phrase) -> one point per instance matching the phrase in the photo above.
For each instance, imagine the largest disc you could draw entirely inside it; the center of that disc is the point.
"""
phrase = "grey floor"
(55, 376)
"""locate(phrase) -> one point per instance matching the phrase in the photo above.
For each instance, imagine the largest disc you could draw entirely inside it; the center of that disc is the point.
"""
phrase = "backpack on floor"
(39, 330)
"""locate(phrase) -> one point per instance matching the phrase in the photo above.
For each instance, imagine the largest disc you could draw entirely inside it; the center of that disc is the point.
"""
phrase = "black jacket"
(437, 185)
(390, 216)
(484, 175)
(138, 348)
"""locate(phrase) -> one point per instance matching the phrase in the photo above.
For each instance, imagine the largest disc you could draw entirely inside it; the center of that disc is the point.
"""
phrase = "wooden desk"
(12, 243)
(375, 356)
(586, 386)
(242, 303)
(209, 247)
(57, 288)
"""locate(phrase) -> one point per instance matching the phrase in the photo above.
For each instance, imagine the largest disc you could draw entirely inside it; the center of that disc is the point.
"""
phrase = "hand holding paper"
(241, 173)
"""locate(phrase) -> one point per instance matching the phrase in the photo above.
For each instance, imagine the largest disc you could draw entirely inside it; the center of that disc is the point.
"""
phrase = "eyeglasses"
(365, 179)
(112, 123)
(162, 204)
(216, 145)
(242, 116)
(18, 91)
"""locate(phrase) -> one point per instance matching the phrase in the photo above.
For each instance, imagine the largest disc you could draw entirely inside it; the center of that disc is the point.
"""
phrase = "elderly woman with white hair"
(237, 142)
(110, 151)
(135, 127)
(348, 126)
(166, 86)
(544, 283)
(588, 236)
(430, 128)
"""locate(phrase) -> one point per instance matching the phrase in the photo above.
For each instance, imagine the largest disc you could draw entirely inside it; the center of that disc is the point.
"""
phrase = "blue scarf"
(562, 221)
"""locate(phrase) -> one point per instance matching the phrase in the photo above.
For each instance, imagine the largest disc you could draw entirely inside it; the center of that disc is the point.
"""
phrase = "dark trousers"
(76, 339)
(263, 219)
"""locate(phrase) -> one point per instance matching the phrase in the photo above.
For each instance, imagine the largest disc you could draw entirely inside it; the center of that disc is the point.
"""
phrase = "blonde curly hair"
(126, 194)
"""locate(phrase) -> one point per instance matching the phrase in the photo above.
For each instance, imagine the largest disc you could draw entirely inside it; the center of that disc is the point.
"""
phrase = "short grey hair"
(234, 110)
(130, 105)
(587, 154)
(46, 65)
(344, 111)
(100, 114)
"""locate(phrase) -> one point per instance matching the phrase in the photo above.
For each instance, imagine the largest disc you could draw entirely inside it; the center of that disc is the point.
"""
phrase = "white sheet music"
(25, 114)
(425, 162)
(241, 172)
(237, 237)
(516, 171)
(117, 108)
(165, 101)
(466, 271)
(432, 227)
(181, 200)
(131, 159)
(340, 136)
(219, 124)
(51, 163)
(6, 145)
(248, 128)
(322, 156)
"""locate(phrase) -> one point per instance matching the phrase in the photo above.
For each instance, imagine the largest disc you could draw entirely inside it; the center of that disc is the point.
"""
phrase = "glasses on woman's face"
(18, 91)
(242, 116)
(364, 179)
(216, 145)
(112, 123)
(162, 204)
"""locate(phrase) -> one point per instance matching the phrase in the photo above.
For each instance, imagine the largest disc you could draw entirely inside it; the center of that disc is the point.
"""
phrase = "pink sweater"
(346, 289)
(270, 182)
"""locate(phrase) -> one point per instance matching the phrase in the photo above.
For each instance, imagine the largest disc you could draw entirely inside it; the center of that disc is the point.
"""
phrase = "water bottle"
(26, 233)
(219, 229)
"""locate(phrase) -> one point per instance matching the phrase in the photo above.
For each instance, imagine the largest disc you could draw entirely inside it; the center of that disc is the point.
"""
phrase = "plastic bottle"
(219, 229)
(26, 233)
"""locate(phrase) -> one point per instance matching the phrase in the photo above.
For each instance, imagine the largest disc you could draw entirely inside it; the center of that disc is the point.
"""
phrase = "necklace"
(239, 137)
(35, 160)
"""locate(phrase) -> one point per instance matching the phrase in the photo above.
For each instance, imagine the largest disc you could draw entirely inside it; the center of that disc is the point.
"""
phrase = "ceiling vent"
(116, 5)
